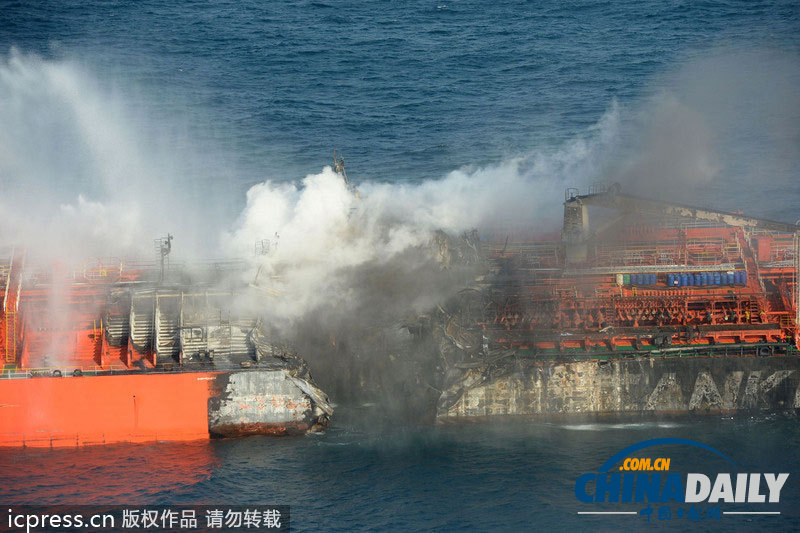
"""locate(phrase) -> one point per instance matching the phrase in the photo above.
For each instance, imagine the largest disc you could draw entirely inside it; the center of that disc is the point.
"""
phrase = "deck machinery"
(113, 315)
(651, 278)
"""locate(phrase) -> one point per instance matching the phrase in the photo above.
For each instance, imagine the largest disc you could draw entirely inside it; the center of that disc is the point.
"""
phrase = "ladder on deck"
(11, 305)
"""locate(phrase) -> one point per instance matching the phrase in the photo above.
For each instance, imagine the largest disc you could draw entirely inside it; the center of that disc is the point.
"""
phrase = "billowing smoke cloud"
(84, 176)
(325, 237)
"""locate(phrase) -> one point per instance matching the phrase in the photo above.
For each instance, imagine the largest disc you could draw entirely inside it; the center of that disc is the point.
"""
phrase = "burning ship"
(656, 308)
(121, 351)
(652, 308)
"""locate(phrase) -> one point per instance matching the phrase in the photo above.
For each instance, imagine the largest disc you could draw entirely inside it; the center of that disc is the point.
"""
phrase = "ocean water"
(691, 100)
(509, 475)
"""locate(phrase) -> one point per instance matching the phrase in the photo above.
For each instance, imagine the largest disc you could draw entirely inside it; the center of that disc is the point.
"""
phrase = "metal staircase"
(13, 291)
(167, 326)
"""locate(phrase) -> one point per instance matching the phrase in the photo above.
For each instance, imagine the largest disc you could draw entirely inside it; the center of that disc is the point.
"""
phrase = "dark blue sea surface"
(406, 90)
(409, 91)
(510, 475)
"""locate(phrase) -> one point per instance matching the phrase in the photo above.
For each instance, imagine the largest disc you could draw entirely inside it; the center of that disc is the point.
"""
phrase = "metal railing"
(62, 371)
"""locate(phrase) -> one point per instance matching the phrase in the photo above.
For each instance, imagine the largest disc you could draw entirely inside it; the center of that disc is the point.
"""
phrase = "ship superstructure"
(653, 309)
(649, 278)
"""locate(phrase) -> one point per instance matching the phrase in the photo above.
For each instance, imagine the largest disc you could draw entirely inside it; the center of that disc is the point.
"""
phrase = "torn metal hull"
(265, 403)
(147, 407)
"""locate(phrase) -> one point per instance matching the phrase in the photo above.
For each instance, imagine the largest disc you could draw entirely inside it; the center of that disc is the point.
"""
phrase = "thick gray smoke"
(721, 128)
(346, 271)
(84, 176)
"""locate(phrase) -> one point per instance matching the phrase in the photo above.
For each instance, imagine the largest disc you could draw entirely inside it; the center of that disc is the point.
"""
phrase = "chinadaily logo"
(652, 486)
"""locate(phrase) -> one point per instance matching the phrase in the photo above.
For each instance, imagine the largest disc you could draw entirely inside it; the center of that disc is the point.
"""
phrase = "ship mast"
(338, 167)
(163, 247)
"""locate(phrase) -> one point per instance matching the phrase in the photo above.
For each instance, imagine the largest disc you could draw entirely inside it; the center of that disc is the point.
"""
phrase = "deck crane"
(576, 232)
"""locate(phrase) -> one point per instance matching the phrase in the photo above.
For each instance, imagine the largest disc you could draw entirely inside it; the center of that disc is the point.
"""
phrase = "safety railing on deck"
(62, 371)
(171, 368)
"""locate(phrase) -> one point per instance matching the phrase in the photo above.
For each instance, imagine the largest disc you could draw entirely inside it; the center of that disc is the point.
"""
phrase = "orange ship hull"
(53, 412)
(182, 406)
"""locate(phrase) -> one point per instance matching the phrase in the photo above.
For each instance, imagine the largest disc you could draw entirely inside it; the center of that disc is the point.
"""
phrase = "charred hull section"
(265, 403)
(693, 385)
(259, 428)
(656, 308)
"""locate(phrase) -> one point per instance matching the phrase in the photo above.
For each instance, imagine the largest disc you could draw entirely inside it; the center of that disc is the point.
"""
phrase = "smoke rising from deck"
(720, 128)
(83, 176)
(322, 234)
(346, 271)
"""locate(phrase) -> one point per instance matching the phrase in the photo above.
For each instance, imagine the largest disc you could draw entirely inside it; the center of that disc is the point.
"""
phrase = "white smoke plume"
(323, 235)
(82, 175)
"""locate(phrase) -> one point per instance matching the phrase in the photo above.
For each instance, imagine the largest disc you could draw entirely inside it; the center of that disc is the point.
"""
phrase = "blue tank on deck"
(698, 280)
(653, 279)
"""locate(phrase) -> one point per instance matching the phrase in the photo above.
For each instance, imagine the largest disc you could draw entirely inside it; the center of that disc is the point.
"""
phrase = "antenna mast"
(164, 247)
(338, 167)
